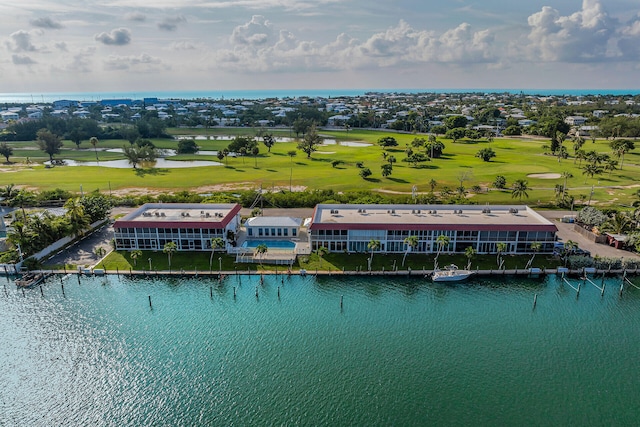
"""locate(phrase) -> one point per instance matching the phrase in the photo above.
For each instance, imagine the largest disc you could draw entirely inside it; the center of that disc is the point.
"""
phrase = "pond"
(159, 163)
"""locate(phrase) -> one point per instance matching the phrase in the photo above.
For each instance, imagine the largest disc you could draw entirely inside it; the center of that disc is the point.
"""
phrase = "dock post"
(23, 292)
(211, 292)
(578, 292)
(278, 292)
(150, 306)
(63, 295)
(256, 292)
(535, 300)
(78, 277)
(41, 291)
(341, 301)
(621, 288)
(602, 293)
(5, 291)
(118, 272)
(234, 292)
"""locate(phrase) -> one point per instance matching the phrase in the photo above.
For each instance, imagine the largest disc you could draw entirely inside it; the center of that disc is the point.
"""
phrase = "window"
(250, 231)
(286, 231)
(294, 232)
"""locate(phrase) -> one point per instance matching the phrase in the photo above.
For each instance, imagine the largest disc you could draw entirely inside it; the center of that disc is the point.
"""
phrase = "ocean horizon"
(48, 97)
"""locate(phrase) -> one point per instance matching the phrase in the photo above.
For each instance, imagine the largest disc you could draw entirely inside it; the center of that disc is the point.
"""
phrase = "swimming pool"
(274, 244)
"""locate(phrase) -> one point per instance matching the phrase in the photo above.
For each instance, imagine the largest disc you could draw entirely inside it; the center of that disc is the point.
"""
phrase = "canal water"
(400, 351)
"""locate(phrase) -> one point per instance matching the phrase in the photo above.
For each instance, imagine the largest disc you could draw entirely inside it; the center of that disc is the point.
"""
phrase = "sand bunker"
(544, 175)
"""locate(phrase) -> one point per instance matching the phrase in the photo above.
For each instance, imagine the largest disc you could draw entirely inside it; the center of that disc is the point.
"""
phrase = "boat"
(451, 273)
(30, 280)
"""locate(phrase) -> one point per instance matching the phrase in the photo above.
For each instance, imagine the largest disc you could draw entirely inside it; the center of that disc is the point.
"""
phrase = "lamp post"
(220, 266)
(149, 264)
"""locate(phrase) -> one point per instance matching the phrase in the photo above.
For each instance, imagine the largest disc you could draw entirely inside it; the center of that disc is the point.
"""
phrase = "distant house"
(9, 115)
(575, 120)
(64, 103)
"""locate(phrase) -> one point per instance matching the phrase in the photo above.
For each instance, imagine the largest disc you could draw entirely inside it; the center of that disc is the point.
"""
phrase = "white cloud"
(256, 32)
(20, 41)
(171, 24)
(143, 63)
(182, 45)
(47, 23)
(117, 37)
(135, 16)
(22, 60)
(580, 37)
(254, 46)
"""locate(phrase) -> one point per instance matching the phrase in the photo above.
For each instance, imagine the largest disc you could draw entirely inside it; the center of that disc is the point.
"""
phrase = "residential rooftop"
(433, 217)
(180, 214)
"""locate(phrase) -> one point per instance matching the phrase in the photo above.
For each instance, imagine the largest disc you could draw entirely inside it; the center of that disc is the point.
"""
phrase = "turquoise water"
(401, 351)
(275, 244)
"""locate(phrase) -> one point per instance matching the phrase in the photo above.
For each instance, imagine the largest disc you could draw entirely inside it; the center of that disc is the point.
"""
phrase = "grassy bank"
(191, 261)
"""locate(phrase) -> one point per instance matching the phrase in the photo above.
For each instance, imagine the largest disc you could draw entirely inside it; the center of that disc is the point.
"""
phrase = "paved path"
(81, 252)
(566, 232)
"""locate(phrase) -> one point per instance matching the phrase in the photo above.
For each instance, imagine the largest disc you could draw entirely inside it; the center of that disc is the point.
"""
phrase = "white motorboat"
(451, 273)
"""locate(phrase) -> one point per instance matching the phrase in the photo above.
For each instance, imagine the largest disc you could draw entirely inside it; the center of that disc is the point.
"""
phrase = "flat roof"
(181, 215)
(273, 221)
(429, 217)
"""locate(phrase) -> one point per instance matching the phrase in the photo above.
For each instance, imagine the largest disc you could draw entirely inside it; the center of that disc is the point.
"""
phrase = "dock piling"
(150, 306)
(41, 291)
(63, 295)
(234, 292)
(535, 300)
(211, 292)
(278, 292)
(341, 301)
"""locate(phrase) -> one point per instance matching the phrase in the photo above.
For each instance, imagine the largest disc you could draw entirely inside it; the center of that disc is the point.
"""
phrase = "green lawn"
(190, 261)
(516, 158)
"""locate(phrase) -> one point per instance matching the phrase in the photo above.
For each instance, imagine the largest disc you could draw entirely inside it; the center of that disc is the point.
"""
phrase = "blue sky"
(147, 45)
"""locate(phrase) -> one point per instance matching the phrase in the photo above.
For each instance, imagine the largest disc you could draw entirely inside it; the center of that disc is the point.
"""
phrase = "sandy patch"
(204, 189)
(544, 175)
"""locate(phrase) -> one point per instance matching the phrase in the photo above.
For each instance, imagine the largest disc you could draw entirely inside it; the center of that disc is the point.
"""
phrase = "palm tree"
(442, 241)
(535, 247)
(433, 184)
(22, 198)
(566, 175)
(619, 223)
(519, 189)
(321, 252)
(134, 255)
(291, 154)
(216, 243)
(94, 141)
(78, 220)
(470, 252)
(170, 248)
(569, 246)
(411, 242)
(591, 169)
(500, 248)
(373, 245)
(254, 152)
(610, 166)
(261, 249)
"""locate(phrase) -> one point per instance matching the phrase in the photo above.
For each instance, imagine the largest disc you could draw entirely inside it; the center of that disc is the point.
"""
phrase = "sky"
(190, 45)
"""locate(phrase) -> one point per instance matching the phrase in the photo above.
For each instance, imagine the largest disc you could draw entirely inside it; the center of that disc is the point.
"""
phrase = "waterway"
(400, 351)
